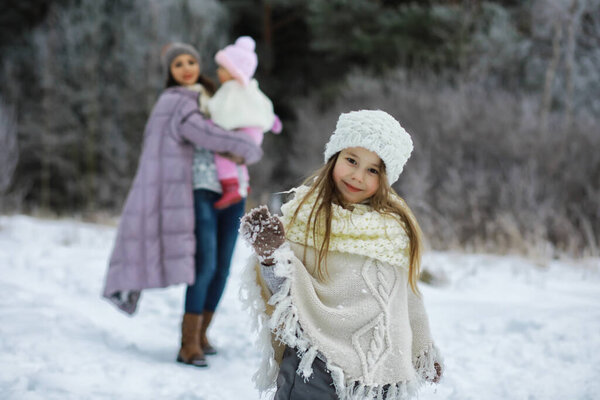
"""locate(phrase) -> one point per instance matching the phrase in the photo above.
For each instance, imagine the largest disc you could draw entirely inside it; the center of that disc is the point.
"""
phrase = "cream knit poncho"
(364, 318)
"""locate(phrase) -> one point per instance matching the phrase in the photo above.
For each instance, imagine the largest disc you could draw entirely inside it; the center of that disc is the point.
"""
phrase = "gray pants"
(291, 386)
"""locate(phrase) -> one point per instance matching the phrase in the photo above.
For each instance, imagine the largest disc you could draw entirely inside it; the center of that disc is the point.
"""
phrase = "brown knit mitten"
(264, 232)
(438, 373)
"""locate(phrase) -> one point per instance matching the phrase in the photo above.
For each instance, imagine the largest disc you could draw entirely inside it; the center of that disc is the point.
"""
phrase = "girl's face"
(185, 70)
(356, 174)
(223, 75)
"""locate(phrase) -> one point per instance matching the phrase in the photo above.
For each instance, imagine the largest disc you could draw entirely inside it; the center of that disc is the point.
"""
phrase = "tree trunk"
(266, 55)
(9, 149)
(550, 74)
(574, 15)
(47, 131)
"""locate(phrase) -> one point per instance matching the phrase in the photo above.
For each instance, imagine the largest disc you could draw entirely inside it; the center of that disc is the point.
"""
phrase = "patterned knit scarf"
(360, 231)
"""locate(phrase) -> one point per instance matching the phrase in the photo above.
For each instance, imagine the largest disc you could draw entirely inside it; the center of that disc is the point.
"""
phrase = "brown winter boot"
(191, 353)
(204, 343)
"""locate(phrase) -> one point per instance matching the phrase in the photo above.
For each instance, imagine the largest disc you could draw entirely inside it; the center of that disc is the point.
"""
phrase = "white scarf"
(361, 231)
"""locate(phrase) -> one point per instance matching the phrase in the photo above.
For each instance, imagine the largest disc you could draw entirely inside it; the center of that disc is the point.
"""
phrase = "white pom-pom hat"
(374, 130)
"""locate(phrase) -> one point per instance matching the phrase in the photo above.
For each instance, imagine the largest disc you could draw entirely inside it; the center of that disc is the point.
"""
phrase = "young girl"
(239, 104)
(340, 285)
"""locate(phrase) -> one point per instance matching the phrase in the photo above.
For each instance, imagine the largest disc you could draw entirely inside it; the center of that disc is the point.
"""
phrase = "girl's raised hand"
(438, 373)
(264, 232)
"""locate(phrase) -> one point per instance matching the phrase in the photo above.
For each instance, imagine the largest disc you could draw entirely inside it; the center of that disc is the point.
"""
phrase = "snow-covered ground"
(508, 329)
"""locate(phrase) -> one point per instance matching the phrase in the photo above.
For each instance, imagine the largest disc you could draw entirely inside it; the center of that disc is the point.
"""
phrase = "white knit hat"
(374, 130)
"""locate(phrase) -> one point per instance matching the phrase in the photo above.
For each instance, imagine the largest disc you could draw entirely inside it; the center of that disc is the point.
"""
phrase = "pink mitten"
(277, 125)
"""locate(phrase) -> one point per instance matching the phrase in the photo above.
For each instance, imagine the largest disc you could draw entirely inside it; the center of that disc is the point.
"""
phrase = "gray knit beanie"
(374, 130)
(172, 50)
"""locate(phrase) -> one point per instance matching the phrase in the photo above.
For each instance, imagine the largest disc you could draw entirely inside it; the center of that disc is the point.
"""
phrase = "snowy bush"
(483, 175)
(88, 76)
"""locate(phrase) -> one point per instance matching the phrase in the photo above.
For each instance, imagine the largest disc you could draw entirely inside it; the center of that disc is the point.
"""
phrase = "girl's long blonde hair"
(383, 201)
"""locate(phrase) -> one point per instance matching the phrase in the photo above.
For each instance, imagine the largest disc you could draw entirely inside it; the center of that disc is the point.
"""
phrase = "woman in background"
(170, 233)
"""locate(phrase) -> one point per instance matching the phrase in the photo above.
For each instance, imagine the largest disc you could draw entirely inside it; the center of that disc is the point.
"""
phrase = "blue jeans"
(216, 232)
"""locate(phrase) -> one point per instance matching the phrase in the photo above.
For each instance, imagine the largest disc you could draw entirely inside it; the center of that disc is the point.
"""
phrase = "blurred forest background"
(502, 99)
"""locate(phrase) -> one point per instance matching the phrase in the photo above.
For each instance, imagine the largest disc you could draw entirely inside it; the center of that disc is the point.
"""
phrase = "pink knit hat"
(239, 59)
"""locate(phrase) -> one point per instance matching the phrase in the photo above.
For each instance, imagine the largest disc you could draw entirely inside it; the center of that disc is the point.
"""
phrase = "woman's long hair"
(385, 201)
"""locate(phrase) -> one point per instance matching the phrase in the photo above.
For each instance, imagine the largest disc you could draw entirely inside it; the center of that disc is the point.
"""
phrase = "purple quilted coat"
(155, 242)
